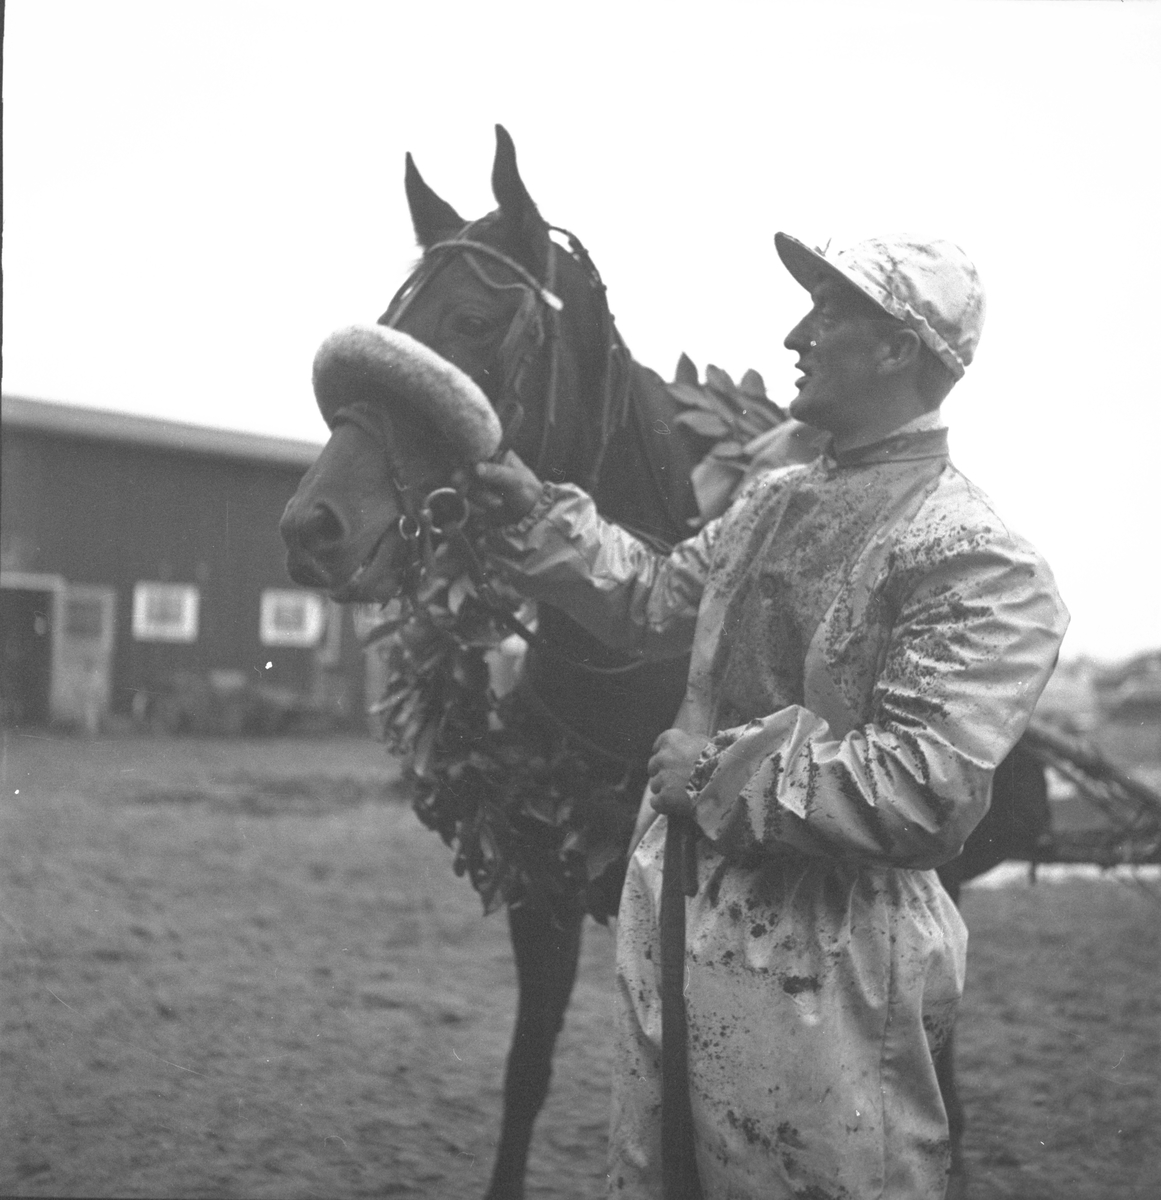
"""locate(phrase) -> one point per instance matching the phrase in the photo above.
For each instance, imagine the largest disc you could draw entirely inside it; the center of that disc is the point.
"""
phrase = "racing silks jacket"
(869, 640)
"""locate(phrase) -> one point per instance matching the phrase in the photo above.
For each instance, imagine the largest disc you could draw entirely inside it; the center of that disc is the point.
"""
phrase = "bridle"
(535, 323)
(442, 513)
(441, 517)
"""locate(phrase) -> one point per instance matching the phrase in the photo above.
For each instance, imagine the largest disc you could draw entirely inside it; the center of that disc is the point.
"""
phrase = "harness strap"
(516, 350)
(461, 244)
(359, 416)
(411, 523)
(424, 273)
(553, 334)
(616, 382)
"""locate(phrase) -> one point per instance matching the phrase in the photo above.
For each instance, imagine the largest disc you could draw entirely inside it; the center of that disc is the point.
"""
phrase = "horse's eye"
(472, 326)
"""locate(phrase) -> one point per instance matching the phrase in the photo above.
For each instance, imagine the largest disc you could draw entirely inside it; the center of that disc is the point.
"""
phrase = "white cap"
(928, 284)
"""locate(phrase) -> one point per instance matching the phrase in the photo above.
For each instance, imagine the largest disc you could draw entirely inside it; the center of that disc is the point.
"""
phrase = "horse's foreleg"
(547, 948)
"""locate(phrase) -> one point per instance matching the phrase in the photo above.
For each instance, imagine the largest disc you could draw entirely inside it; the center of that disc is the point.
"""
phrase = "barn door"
(82, 681)
(27, 607)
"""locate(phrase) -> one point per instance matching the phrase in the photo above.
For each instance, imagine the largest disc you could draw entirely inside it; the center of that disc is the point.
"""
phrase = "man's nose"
(799, 337)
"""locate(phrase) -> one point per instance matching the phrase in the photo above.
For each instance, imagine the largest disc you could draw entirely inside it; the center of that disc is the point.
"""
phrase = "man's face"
(837, 344)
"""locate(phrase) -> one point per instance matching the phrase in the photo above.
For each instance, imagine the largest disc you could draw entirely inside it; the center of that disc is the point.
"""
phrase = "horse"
(519, 307)
(574, 405)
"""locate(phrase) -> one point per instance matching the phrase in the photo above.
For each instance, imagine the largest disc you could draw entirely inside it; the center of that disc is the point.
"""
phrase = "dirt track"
(245, 970)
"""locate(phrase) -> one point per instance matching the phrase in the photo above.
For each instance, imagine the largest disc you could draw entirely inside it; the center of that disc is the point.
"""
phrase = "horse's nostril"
(321, 526)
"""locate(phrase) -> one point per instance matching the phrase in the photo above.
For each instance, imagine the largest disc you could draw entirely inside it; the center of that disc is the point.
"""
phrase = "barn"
(142, 575)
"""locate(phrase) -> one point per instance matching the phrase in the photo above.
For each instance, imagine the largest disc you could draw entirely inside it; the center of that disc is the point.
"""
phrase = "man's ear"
(899, 350)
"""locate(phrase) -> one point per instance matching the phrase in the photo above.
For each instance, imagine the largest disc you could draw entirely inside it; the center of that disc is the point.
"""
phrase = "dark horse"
(487, 296)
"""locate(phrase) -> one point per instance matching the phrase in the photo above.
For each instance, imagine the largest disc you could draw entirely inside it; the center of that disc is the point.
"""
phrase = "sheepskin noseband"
(371, 364)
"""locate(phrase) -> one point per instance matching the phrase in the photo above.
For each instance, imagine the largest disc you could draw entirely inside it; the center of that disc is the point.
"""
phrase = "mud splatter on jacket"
(869, 640)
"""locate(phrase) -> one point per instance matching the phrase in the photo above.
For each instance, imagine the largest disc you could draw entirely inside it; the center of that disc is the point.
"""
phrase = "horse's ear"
(434, 219)
(518, 213)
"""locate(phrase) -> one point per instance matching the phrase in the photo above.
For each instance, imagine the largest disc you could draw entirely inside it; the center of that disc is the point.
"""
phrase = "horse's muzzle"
(314, 536)
(322, 552)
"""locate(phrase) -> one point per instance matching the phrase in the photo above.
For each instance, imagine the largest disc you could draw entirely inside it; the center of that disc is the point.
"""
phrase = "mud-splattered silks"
(869, 640)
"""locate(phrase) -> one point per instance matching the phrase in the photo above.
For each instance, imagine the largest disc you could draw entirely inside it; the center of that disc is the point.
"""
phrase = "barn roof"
(68, 420)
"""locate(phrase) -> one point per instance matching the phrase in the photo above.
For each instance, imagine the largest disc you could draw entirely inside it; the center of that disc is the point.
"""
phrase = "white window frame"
(184, 629)
(310, 629)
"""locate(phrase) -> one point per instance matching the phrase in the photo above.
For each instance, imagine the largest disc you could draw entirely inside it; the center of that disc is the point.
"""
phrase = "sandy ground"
(243, 969)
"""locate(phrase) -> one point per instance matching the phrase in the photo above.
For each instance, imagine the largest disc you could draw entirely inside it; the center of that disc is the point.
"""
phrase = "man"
(869, 640)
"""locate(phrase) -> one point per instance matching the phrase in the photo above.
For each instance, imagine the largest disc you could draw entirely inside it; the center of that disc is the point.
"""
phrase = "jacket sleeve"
(968, 653)
(565, 554)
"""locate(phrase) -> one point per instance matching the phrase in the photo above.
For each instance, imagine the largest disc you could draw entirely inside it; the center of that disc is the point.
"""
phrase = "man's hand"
(505, 491)
(674, 754)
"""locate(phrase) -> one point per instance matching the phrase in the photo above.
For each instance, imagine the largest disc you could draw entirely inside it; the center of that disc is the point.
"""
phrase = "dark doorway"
(25, 656)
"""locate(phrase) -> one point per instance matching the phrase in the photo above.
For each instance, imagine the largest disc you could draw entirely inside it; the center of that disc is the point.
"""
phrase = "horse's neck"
(644, 480)
(644, 484)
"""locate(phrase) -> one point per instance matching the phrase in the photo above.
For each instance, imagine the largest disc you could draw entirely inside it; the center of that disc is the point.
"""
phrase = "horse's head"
(520, 315)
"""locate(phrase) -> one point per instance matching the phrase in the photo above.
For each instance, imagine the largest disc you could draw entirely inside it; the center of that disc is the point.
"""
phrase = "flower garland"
(528, 812)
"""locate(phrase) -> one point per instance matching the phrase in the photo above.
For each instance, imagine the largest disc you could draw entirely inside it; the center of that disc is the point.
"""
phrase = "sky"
(196, 194)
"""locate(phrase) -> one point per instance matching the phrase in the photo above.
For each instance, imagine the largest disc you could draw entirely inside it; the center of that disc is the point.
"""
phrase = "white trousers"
(817, 993)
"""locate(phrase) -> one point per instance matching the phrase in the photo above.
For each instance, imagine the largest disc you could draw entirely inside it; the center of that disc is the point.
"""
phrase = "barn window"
(165, 612)
(291, 618)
